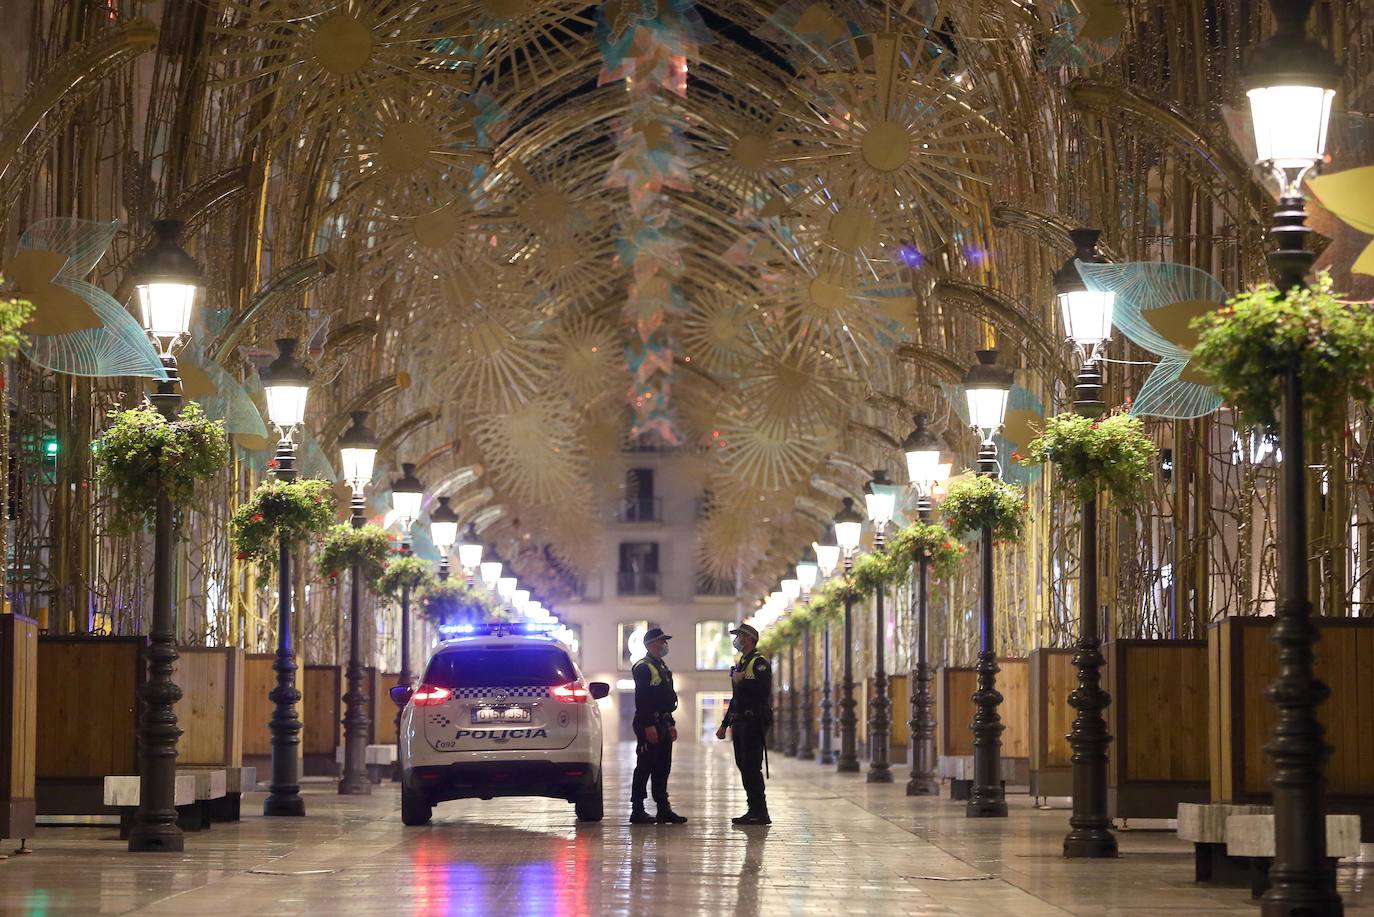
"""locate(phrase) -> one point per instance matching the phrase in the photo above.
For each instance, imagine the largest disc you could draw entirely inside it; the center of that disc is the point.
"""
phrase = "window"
(629, 637)
(639, 503)
(638, 568)
(714, 648)
(500, 667)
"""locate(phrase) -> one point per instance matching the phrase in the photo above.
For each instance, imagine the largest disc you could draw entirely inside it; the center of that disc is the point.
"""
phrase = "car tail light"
(430, 696)
(571, 693)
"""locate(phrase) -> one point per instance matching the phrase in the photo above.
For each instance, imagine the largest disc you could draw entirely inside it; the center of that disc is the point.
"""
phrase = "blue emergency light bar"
(497, 628)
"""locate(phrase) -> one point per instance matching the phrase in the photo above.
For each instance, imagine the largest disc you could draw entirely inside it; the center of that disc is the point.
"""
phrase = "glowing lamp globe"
(443, 527)
(166, 280)
(358, 452)
(286, 382)
(987, 387)
(849, 527)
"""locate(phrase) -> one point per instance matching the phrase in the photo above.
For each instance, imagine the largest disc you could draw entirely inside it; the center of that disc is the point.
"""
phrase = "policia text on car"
(749, 718)
(655, 731)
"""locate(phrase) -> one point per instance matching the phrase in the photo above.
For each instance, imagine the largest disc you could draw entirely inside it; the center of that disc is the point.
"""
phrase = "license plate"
(510, 713)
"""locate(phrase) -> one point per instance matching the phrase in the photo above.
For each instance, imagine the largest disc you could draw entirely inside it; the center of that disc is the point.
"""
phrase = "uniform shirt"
(753, 692)
(655, 696)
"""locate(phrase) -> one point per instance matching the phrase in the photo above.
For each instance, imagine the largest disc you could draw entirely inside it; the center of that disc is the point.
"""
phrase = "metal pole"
(849, 760)
(793, 717)
(827, 753)
(923, 781)
(805, 750)
(1090, 832)
(987, 798)
(1302, 881)
(284, 797)
(354, 781)
(155, 822)
(880, 716)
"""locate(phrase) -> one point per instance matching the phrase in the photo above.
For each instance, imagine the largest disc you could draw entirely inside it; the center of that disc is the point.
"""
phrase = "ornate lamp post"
(490, 569)
(807, 571)
(407, 496)
(443, 530)
(924, 469)
(827, 559)
(988, 389)
(1088, 325)
(1291, 83)
(848, 528)
(358, 452)
(791, 590)
(166, 280)
(880, 499)
(470, 552)
(286, 383)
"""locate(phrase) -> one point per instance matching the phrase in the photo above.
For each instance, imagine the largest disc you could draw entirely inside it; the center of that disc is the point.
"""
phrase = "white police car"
(500, 713)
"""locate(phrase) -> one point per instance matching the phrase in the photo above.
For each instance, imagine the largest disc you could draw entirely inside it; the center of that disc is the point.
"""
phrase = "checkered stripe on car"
(529, 691)
(438, 719)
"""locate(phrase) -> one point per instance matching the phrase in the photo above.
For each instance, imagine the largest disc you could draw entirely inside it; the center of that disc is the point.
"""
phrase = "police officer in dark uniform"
(655, 731)
(750, 716)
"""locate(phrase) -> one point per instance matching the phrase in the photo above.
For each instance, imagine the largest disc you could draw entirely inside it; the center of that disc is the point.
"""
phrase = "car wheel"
(415, 808)
(589, 805)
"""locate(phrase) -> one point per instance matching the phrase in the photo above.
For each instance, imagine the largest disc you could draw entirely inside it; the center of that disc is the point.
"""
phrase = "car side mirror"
(599, 689)
(400, 694)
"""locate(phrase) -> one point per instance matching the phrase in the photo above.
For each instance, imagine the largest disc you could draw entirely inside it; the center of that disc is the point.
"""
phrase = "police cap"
(747, 630)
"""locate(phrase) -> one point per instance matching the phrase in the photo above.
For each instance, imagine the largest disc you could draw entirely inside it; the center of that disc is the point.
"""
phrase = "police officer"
(750, 716)
(655, 731)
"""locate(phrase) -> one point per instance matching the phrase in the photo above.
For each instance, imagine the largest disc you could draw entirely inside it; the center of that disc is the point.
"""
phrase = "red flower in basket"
(272, 463)
(241, 555)
(257, 517)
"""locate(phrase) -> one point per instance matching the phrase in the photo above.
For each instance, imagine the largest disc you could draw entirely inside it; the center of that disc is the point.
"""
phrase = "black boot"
(743, 819)
(752, 817)
(639, 817)
(666, 816)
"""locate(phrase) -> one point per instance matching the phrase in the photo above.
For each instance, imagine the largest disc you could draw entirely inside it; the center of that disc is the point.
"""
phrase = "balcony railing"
(641, 509)
(708, 585)
(636, 583)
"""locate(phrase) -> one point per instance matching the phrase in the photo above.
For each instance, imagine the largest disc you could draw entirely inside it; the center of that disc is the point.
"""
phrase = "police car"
(501, 712)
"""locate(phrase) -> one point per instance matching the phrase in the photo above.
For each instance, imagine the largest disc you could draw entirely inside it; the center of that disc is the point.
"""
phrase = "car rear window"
(500, 667)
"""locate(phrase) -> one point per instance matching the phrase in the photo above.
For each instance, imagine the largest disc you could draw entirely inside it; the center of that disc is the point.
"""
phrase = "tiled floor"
(838, 846)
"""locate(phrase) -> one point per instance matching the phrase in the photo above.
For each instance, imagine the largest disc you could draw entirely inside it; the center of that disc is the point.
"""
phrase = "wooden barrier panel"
(18, 725)
(1052, 677)
(210, 712)
(1242, 664)
(1158, 757)
(901, 717)
(258, 682)
(384, 728)
(322, 710)
(954, 706)
(88, 705)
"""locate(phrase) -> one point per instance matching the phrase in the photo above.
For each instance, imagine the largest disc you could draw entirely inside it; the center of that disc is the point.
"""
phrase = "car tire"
(589, 805)
(416, 810)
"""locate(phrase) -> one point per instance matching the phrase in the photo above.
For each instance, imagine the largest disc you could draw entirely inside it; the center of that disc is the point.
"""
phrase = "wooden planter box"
(1158, 721)
(18, 725)
(322, 713)
(210, 712)
(258, 682)
(1052, 677)
(954, 712)
(1242, 662)
(88, 705)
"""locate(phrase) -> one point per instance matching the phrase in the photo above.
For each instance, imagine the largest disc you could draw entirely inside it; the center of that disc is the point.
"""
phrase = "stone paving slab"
(839, 847)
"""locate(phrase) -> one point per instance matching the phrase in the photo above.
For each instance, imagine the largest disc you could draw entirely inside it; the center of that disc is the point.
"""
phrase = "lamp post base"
(992, 807)
(288, 806)
(924, 786)
(1090, 843)
(157, 838)
(878, 774)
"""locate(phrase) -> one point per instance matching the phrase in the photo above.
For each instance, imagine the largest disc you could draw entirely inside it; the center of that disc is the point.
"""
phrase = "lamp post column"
(923, 781)
(805, 747)
(849, 759)
(405, 676)
(880, 717)
(284, 796)
(793, 719)
(155, 822)
(354, 781)
(827, 752)
(987, 798)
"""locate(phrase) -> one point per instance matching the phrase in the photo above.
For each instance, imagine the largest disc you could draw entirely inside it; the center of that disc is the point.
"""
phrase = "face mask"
(738, 645)
(662, 650)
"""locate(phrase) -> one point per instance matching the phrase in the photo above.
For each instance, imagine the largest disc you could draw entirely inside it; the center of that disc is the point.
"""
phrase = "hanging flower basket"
(454, 603)
(405, 571)
(293, 511)
(1112, 454)
(979, 502)
(1261, 334)
(14, 314)
(369, 547)
(142, 451)
(935, 541)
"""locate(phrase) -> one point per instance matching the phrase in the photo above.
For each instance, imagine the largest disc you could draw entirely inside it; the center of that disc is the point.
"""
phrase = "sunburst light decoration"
(585, 357)
(716, 334)
(498, 360)
(532, 452)
(767, 456)
(791, 385)
(1086, 33)
(524, 42)
(346, 59)
(900, 132)
(740, 151)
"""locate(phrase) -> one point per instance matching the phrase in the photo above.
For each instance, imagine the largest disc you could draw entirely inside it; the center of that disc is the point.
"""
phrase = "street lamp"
(1088, 325)
(286, 382)
(470, 552)
(443, 531)
(807, 572)
(490, 569)
(166, 280)
(827, 560)
(925, 469)
(407, 496)
(848, 527)
(1291, 82)
(357, 453)
(880, 498)
(988, 389)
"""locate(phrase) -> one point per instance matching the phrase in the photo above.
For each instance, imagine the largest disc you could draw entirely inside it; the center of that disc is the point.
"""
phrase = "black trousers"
(749, 737)
(652, 764)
